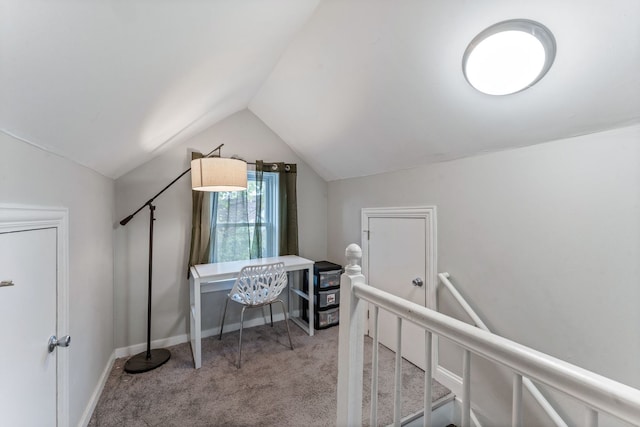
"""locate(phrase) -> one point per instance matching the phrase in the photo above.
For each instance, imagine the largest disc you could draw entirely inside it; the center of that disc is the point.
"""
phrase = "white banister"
(397, 404)
(596, 391)
(350, 343)
(444, 278)
(543, 403)
(374, 369)
(530, 386)
(466, 388)
(428, 378)
(516, 418)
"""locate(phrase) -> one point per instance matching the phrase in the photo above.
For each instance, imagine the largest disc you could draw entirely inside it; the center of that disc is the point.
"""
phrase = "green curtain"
(288, 209)
(258, 230)
(287, 205)
(200, 225)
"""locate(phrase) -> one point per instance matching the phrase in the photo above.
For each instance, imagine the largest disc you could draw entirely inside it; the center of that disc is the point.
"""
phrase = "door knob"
(417, 282)
(55, 342)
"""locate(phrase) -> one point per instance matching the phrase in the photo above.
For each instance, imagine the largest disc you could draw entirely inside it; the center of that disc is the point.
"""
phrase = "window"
(245, 223)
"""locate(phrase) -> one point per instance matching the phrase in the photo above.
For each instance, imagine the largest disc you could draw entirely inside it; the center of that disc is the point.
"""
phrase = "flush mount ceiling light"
(509, 56)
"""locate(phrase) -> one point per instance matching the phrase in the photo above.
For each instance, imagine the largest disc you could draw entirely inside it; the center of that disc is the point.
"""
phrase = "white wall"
(544, 241)
(243, 134)
(30, 176)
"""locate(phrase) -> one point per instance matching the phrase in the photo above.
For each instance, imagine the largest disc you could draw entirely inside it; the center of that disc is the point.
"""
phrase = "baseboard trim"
(442, 414)
(93, 401)
(448, 379)
(475, 422)
(139, 348)
(454, 383)
(183, 338)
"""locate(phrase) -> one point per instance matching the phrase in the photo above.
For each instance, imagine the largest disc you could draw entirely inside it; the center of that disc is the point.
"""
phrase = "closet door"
(399, 256)
(28, 318)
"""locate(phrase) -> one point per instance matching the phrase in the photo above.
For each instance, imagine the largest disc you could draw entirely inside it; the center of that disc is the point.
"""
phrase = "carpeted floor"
(275, 387)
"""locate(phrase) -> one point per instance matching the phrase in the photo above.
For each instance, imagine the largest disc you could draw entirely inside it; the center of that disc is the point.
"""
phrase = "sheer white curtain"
(237, 231)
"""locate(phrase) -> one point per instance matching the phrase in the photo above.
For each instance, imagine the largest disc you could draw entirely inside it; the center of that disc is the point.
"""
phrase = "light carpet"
(275, 386)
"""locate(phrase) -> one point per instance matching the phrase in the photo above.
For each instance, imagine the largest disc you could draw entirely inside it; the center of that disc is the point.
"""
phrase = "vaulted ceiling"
(355, 87)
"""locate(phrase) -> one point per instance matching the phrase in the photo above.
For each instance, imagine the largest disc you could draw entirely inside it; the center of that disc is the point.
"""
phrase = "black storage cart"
(326, 294)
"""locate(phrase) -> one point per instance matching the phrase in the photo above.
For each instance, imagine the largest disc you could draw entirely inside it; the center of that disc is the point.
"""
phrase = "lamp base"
(139, 363)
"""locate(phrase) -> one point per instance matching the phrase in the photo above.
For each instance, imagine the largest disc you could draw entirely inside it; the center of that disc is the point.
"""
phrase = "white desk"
(215, 277)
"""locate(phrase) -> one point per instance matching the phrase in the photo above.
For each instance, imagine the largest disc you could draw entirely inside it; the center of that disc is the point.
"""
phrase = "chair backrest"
(259, 284)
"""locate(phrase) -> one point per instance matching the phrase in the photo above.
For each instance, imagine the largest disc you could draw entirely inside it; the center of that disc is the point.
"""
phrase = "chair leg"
(286, 321)
(240, 341)
(224, 314)
(271, 313)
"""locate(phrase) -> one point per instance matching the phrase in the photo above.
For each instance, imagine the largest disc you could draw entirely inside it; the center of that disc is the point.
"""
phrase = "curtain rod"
(266, 163)
(274, 167)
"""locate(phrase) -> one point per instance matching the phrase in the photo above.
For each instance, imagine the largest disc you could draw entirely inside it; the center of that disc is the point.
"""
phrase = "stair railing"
(597, 393)
(535, 392)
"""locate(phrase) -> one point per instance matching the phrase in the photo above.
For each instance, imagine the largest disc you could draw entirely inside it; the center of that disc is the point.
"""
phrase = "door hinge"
(368, 234)
(367, 314)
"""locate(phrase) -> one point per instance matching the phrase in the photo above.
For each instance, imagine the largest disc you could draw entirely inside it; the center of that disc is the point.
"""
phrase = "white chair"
(257, 286)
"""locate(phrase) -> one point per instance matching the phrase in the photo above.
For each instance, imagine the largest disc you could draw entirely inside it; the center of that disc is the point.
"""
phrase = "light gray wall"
(243, 134)
(30, 176)
(544, 241)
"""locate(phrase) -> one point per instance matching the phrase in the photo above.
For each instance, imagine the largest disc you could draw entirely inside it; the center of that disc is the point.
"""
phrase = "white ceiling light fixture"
(509, 57)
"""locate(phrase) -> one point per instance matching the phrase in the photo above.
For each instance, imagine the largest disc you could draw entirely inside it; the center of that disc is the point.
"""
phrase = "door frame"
(14, 218)
(428, 213)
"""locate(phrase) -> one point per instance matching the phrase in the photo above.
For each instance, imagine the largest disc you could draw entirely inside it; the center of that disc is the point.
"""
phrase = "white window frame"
(270, 202)
(270, 182)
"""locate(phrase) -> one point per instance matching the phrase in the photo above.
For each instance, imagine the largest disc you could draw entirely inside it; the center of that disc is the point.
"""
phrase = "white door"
(28, 315)
(400, 259)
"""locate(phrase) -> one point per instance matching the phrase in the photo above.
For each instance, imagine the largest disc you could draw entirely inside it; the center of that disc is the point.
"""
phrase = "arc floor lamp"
(209, 173)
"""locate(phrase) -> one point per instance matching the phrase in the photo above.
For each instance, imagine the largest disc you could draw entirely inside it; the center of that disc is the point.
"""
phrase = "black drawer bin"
(323, 318)
(325, 299)
(326, 318)
(326, 275)
(327, 279)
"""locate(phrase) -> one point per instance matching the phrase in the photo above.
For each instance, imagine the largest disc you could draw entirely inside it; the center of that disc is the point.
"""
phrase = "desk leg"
(310, 293)
(195, 330)
(191, 320)
(289, 298)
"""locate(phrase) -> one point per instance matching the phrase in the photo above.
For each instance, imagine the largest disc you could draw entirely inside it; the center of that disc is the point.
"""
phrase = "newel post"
(351, 342)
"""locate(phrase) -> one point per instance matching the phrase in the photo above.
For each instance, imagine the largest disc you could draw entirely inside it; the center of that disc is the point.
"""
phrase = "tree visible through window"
(244, 223)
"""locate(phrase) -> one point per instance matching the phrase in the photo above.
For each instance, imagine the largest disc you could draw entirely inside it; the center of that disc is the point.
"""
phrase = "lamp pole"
(151, 359)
